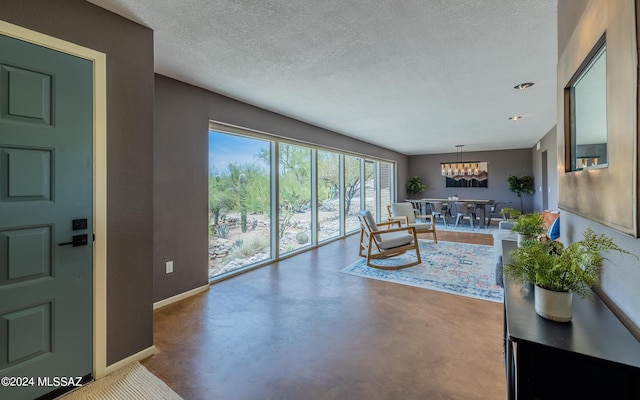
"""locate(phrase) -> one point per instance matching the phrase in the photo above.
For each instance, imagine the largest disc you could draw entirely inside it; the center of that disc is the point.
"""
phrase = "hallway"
(299, 329)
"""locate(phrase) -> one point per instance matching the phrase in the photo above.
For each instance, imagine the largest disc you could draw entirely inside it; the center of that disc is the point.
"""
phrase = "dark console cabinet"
(592, 357)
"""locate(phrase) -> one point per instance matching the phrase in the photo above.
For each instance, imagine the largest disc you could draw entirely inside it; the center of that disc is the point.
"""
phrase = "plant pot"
(522, 237)
(556, 306)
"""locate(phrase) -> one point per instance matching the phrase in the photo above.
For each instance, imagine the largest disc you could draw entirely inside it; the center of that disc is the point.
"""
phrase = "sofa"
(504, 239)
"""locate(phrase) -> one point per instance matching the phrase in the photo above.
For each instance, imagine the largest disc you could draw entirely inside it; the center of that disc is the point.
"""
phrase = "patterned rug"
(458, 268)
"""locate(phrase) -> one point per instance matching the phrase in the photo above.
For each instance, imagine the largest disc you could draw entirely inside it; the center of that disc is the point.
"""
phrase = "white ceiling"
(415, 76)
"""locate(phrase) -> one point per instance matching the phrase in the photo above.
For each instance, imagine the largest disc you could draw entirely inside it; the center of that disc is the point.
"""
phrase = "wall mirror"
(586, 112)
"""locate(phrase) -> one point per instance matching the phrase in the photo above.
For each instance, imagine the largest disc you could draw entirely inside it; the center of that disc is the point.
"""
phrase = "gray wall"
(548, 144)
(129, 49)
(182, 114)
(501, 164)
(569, 13)
(620, 276)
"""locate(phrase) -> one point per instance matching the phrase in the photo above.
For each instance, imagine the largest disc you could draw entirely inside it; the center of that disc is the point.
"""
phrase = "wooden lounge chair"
(408, 216)
(376, 243)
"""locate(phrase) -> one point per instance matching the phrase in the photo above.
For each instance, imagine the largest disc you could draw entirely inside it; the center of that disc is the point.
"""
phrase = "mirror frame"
(571, 154)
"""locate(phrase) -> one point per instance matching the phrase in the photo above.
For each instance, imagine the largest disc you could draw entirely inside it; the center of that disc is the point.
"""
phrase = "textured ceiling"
(415, 76)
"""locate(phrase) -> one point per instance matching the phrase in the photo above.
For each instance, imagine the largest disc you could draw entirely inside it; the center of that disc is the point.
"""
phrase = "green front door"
(46, 219)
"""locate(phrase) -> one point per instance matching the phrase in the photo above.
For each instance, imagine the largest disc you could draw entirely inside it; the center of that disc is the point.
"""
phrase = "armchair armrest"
(391, 222)
(403, 219)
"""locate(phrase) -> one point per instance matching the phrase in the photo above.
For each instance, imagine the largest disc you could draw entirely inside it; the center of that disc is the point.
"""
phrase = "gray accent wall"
(547, 144)
(621, 275)
(129, 50)
(502, 163)
(182, 115)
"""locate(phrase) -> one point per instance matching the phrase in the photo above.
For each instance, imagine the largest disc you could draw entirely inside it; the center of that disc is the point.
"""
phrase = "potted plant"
(557, 271)
(415, 185)
(520, 185)
(528, 226)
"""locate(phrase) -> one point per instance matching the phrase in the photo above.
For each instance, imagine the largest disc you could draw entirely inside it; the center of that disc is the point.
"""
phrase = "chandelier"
(460, 170)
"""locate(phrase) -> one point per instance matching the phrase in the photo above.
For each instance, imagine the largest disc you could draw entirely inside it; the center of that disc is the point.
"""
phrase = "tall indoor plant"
(557, 271)
(520, 185)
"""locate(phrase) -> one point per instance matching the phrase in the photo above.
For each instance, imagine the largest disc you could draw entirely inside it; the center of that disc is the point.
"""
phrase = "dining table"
(480, 204)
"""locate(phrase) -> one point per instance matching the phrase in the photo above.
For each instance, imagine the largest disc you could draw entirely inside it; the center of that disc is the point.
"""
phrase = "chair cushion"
(421, 226)
(403, 210)
(393, 239)
(370, 220)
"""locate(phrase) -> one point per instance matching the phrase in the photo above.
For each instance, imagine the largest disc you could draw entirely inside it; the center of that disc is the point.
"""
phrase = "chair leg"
(458, 219)
(415, 241)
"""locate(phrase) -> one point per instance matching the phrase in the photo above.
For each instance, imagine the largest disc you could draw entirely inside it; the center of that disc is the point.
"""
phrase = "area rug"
(133, 382)
(459, 268)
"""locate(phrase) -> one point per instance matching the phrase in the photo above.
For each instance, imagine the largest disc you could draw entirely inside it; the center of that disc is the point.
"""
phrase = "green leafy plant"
(521, 185)
(222, 231)
(247, 247)
(552, 266)
(529, 224)
(415, 185)
(510, 213)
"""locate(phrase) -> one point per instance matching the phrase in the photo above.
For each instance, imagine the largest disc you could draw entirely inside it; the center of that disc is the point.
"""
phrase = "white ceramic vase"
(556, 306)
(522, 237)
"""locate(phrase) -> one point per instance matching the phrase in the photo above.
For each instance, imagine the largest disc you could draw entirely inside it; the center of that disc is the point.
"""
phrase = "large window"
(295, 197)
(270, 198)
(352, 195)
(239, 202)
(328, 195)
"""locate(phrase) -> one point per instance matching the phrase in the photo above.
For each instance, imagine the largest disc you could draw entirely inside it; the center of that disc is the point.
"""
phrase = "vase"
(522, 237)
(555, 306)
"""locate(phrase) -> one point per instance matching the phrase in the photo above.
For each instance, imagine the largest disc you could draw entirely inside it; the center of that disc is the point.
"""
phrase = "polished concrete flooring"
(299, 329)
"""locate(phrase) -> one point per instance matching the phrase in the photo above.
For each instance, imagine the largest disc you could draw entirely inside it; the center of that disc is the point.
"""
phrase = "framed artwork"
(466, 174)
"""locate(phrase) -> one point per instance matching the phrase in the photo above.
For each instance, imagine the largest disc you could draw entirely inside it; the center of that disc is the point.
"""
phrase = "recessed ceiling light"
(515, 117)
(523, 86)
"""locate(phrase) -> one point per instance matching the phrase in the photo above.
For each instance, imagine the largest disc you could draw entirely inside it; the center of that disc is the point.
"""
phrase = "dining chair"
(495, 210)
(467, 210)
(440, 210)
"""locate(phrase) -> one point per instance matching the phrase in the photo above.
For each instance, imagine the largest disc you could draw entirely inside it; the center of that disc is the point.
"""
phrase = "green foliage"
(520, 185)
(553, 266)
(529, 224)
(510, 213)
(250, 245)
(295, 182)
(242, 188)
(415, 185)
(222, 231)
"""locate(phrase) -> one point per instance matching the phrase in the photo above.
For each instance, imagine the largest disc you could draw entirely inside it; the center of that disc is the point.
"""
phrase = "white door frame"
(99, 178)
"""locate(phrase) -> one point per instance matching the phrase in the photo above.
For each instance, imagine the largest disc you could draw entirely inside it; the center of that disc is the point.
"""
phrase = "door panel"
(46, 182)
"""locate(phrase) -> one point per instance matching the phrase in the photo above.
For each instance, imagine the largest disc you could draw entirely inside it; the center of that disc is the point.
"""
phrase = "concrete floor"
(299, 329)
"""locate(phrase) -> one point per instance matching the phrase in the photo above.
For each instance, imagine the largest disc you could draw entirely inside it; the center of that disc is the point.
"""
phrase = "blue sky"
(225, 149)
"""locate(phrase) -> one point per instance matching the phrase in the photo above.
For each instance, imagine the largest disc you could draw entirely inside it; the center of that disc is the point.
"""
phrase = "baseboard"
(181, 296)
(146, 353)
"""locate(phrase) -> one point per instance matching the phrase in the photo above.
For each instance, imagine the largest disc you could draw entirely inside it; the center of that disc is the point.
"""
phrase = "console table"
(592, 357)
